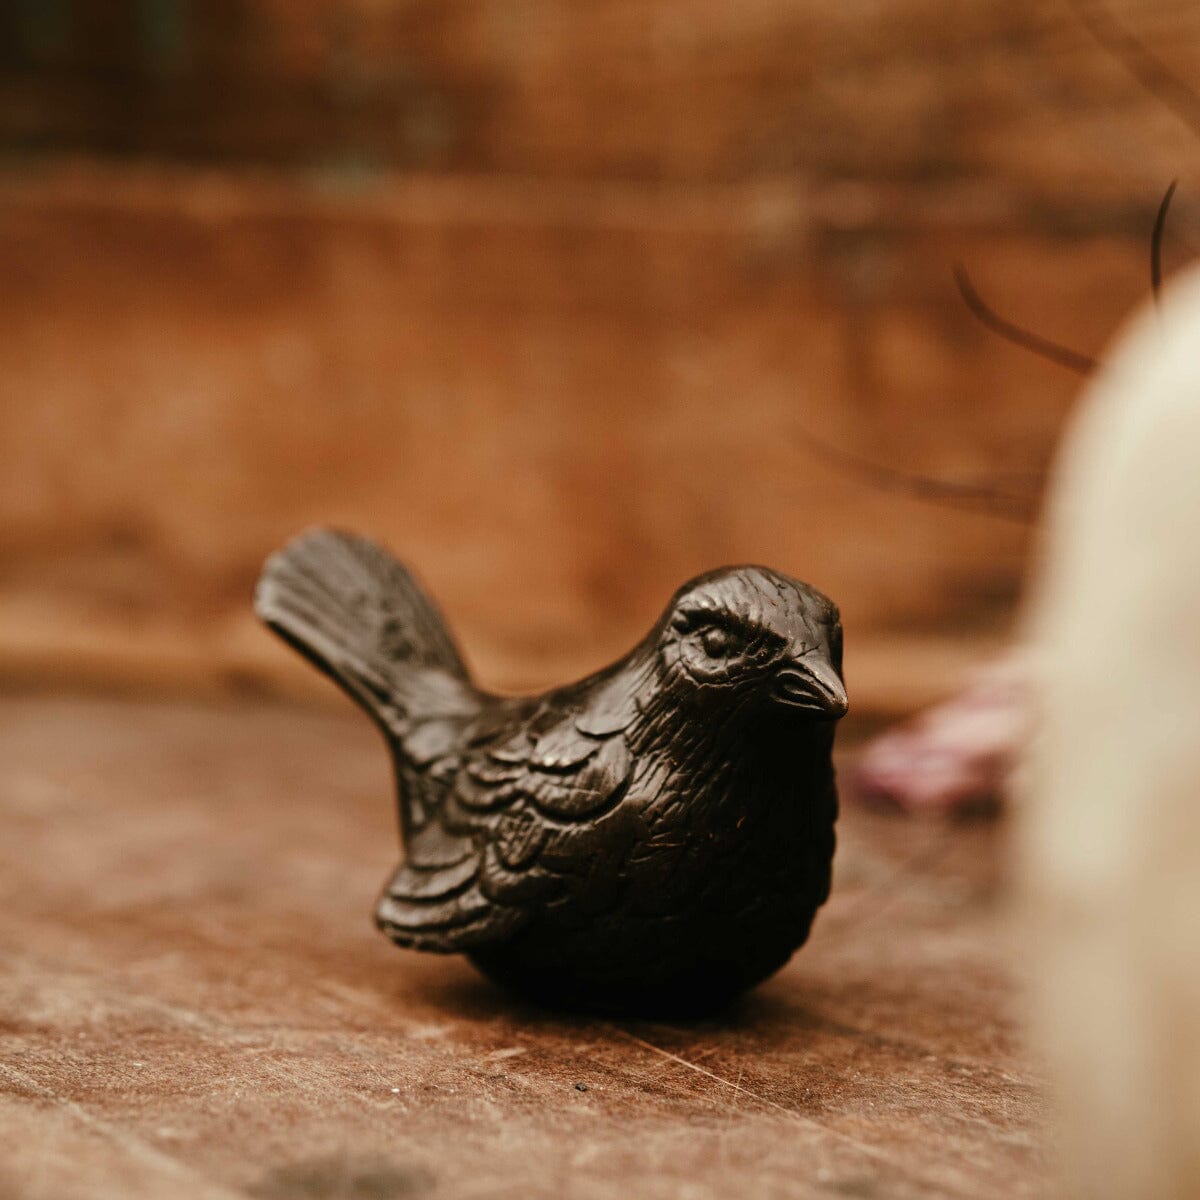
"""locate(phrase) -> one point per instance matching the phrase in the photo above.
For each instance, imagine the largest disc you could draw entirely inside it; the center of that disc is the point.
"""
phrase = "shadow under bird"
(653, 839)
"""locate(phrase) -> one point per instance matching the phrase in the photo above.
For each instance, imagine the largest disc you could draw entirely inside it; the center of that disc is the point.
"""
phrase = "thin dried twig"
(981, 495)
(1063, 356)
(978, 495)
(1141, 62)
(1156, 241)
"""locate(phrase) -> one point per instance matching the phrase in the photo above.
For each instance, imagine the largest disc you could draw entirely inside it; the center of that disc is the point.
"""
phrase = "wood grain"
(194, 1002)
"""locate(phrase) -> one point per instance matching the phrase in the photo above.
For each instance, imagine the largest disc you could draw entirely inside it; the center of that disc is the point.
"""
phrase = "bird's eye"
(719, 642)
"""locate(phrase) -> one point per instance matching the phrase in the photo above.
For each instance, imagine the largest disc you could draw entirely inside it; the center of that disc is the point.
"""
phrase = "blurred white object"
(1111, 801)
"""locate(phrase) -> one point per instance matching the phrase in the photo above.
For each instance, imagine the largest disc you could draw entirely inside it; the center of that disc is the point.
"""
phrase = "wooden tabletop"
(194, 1003)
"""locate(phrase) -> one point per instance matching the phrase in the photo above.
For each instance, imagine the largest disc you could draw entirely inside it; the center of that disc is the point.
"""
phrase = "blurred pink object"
(957, 756)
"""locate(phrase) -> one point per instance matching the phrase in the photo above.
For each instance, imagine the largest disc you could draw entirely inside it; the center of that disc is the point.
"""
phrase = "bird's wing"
(527, 812)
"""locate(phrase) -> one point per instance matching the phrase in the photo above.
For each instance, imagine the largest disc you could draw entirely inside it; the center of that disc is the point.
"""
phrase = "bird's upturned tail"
(358, 615)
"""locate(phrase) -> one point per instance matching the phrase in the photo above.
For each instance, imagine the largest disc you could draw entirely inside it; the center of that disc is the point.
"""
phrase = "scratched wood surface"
(193, 1002)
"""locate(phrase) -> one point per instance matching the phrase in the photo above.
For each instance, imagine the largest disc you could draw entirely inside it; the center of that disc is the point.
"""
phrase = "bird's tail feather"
(357, 614)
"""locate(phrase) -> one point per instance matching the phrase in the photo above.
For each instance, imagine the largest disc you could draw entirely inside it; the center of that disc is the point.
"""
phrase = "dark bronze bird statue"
(653, 839)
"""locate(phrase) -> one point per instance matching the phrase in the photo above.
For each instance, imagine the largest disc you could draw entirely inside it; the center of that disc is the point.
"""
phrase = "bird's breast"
(732, 844)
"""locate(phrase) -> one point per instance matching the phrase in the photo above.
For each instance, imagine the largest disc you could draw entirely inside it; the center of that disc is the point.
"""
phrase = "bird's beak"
(812, 685)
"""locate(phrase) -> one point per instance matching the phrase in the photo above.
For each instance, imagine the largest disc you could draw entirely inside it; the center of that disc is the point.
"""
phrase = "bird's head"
(752, 637)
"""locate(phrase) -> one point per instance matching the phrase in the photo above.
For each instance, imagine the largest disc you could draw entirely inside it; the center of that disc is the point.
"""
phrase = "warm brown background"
(543, 294)
(548, 295)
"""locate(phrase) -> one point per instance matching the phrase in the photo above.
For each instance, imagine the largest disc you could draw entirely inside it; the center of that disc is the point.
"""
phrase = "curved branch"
(1063, 356)
(1156, 241)
(1140, 61)
(978, 495)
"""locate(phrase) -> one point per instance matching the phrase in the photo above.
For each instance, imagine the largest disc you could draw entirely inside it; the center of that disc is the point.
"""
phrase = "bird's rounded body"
(691, 908)
(655, 838)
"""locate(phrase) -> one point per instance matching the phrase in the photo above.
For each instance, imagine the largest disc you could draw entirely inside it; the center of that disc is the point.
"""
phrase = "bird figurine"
(653, 839)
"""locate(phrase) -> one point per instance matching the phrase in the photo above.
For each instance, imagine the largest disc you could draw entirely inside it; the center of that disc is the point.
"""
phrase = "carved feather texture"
(663, 828)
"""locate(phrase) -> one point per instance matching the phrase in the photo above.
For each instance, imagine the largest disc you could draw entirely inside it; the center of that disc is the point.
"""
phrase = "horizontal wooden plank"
(549, 298)
(1020, 94)
(556, 404)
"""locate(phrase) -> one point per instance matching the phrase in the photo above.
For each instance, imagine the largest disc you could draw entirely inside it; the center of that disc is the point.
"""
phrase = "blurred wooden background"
(545, 295)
